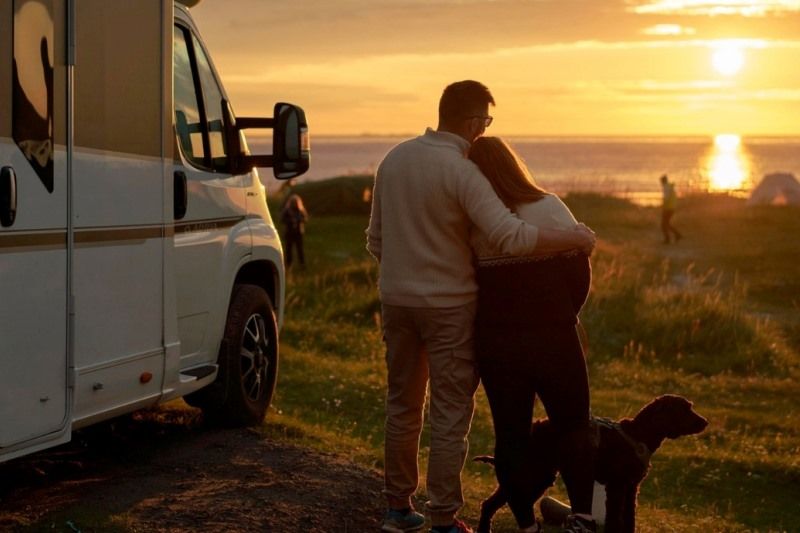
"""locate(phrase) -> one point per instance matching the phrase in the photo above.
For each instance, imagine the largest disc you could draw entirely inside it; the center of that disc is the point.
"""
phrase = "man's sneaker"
(402, 521)
(579, 524)
(457, 527)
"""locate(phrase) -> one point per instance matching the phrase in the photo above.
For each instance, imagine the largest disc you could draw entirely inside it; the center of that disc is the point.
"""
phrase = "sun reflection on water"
(728, 165)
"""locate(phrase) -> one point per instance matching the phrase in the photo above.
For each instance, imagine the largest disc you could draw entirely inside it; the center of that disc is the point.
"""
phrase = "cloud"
(600, 46)
(638, 45)
(246, 36)
(681, 86)
(553, 65)
(384, 78)
(335, 96)
(745, 8)
(773, 95)
(321, 28)
(669, 29)
(664, 92)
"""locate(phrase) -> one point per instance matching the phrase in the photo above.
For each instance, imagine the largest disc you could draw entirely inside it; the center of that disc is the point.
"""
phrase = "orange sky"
(555, 67)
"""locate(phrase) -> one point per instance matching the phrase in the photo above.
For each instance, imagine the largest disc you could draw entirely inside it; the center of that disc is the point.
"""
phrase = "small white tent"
(780, 188)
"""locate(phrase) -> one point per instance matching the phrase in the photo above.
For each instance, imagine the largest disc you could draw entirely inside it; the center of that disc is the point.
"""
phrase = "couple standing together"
(481, 278)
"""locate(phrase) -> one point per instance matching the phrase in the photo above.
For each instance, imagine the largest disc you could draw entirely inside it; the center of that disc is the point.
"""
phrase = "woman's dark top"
(533, 292)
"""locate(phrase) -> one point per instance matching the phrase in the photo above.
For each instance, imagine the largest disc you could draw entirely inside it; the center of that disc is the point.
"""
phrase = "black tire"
(248, 362)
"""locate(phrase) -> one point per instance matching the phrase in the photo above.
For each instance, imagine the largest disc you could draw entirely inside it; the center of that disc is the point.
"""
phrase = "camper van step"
(198, 373)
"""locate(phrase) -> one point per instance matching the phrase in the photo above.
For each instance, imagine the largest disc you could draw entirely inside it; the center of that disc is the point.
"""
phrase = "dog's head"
(672, 416)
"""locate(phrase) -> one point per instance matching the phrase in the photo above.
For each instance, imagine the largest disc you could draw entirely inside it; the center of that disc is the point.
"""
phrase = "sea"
(628, 167)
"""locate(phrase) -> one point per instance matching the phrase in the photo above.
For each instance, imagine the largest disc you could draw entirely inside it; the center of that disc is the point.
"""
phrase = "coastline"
(621, 166)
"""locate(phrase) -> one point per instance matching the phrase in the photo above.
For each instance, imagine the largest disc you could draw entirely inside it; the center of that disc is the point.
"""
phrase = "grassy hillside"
(714, 318)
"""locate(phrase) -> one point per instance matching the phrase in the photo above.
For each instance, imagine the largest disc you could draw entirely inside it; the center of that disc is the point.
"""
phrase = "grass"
(714, 318)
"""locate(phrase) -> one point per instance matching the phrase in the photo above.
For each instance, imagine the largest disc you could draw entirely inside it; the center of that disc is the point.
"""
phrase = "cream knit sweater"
(427, 197)
(549, 212)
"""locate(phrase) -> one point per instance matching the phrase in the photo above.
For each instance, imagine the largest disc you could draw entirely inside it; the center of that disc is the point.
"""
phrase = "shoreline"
(642, 198)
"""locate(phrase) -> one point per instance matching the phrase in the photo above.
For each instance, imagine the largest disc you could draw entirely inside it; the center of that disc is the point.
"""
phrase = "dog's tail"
(488, 459)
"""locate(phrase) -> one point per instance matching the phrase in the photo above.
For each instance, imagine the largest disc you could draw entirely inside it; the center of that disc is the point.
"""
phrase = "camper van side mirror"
(290, 143)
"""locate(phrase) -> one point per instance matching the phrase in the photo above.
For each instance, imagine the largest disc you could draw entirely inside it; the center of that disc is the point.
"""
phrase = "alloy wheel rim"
(253, 354)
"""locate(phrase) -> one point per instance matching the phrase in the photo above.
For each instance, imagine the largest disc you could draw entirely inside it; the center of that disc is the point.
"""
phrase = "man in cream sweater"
(427, 196)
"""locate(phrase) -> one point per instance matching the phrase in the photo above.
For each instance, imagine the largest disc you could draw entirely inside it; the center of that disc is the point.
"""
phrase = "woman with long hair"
(527, 344)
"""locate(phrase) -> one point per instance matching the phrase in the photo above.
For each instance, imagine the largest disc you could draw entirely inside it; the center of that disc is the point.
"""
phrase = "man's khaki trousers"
(422, 345)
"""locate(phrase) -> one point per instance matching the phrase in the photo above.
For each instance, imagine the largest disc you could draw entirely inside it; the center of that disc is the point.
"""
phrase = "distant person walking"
(294, 217)
(668, 204)
(427, 196)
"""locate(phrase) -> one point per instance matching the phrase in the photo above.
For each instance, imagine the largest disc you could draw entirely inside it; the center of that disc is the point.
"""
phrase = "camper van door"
(122, 67)
(34, 400)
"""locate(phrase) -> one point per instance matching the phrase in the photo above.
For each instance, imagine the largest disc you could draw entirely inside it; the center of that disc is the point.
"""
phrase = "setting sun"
(727, 59)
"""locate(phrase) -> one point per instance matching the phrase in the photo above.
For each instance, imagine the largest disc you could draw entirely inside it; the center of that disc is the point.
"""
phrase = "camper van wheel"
(248, 362)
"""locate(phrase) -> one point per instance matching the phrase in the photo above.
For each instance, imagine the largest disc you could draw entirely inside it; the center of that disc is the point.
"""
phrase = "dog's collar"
(641, 450)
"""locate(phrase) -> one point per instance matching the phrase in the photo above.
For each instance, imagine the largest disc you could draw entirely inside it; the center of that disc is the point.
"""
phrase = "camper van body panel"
(149, 289)
(34, 396)
(118, 185)
(213, 238)
(267, 247)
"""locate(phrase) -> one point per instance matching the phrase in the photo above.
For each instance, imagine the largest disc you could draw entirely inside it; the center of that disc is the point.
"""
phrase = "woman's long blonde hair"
(506, 171)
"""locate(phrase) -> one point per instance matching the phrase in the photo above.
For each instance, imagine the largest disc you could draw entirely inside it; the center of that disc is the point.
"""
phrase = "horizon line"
(409, 135)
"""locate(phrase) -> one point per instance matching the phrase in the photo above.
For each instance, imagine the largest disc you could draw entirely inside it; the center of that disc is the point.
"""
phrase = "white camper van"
(138, 261)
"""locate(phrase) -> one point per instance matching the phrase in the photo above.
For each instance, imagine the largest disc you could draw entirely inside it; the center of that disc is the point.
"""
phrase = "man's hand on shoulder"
(558, 240)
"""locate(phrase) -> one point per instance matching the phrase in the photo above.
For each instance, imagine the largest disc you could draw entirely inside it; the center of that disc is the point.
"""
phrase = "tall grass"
(682, 320)
(695, 319)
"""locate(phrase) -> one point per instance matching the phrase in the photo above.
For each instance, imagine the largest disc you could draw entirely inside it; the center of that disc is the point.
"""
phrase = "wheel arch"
(264, 274)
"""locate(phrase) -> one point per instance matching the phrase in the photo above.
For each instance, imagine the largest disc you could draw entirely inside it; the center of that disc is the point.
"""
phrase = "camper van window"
(32, 82)
(188, 115)
(214, 101)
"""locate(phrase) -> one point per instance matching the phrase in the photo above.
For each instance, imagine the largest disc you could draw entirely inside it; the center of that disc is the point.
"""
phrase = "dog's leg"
(629, 509)
(615, 503)
(489, 507)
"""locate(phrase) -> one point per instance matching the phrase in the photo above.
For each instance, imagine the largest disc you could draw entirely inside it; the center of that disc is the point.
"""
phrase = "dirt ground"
(166, 471)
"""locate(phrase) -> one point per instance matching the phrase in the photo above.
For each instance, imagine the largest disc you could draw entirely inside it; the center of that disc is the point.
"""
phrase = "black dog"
(622, 457)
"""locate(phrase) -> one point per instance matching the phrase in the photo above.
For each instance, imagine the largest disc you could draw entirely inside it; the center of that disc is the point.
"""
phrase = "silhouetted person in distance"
(668, 204)
(427, 196)
(294, 217)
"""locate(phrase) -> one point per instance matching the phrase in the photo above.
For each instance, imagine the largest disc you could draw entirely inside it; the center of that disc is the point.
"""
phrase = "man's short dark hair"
(463, 99)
